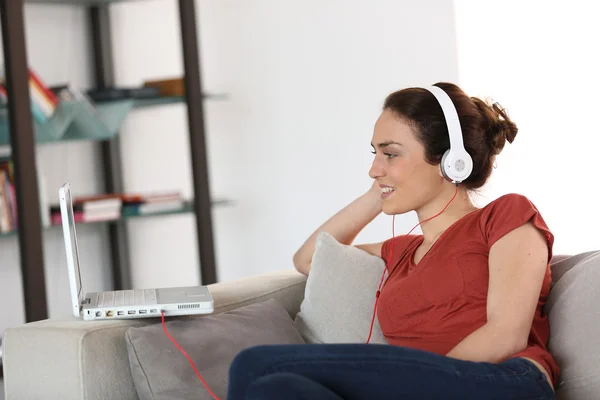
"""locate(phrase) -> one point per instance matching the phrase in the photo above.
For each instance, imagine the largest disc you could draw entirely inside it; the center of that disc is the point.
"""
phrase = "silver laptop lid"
(70, 237)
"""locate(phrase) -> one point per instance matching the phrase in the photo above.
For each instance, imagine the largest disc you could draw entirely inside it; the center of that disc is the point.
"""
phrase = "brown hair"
(485, 128)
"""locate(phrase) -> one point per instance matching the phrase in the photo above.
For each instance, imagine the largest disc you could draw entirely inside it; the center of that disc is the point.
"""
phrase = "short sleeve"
(509, 212)
(395, 249)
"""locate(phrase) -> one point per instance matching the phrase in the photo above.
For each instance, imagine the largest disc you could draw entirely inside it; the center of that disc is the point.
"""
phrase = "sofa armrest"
(286, 286)
(74, 359)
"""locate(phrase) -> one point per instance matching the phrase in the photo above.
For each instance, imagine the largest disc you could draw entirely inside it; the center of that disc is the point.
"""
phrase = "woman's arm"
(517, 265)
(344, 226)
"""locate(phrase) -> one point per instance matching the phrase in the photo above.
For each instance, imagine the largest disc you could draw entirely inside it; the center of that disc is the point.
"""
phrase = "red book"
(56, 218)
(49, 94)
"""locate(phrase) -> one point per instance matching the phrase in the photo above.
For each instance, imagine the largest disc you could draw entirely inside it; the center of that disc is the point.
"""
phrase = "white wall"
(291, 146)
(538, 59)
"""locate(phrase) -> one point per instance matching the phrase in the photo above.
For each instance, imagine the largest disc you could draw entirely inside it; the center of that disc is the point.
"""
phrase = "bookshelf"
(81, 2)
(73, 121)
(187, 207)
(24, 134)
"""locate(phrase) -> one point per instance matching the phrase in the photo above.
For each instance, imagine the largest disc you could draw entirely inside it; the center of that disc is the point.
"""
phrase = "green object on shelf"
(73, 120)
(101, 122)
(157, 101)
(129, 212)
(175, 99)
(50, 131)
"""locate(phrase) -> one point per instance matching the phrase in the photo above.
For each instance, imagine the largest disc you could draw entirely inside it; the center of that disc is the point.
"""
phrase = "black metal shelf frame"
(23, 147)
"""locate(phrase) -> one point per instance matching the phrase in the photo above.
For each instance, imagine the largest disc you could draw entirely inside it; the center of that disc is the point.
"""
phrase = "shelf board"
(79, 2)
(74, 120)
(149, 102)
(188, 207)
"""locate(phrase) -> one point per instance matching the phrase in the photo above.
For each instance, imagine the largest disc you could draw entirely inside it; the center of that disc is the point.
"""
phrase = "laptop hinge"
(84, 301)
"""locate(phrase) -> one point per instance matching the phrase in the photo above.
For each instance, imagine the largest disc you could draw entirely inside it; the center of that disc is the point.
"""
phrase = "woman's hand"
(375, 192)
(344, 226)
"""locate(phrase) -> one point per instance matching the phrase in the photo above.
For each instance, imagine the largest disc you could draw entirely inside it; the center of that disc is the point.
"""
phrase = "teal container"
(75, 120)
(49, 131)
(101, 122)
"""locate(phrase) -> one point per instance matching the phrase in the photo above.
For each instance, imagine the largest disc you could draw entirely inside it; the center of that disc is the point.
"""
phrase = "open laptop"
(124, 304)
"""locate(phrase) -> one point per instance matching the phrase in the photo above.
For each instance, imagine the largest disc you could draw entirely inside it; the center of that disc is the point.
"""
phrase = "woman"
(461, 307)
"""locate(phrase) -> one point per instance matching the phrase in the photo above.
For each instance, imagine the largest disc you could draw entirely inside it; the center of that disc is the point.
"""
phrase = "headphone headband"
(456, 163)
(452, 121)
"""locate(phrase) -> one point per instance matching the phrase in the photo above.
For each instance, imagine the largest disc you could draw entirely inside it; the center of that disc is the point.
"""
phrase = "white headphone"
(456, 164)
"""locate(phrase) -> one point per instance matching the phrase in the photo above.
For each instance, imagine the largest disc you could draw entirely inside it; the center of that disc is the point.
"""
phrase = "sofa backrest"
(573, 308)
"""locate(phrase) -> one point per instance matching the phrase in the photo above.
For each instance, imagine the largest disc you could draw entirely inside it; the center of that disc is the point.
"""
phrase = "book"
(9, 188)
(167, 87)
(5, 215)
(111, 206)
(43, 100)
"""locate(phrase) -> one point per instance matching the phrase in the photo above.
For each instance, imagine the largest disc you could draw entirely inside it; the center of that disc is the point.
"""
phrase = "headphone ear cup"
(456, 166)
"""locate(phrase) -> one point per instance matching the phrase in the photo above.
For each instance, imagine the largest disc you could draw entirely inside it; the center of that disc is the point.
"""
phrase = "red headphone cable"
(378, 293)
(187, 356)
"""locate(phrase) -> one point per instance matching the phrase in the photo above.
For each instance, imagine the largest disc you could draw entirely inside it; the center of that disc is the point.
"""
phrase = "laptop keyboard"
(127, 297)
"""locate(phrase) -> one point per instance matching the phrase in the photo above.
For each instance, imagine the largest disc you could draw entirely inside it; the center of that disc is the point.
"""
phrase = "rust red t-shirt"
(434, 305)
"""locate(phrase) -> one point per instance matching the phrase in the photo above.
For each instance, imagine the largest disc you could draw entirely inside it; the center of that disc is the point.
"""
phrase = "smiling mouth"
(387, 191)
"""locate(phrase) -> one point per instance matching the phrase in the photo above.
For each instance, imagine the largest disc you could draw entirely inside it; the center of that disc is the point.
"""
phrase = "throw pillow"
(340, 294)
(161, 371)
(573, 310)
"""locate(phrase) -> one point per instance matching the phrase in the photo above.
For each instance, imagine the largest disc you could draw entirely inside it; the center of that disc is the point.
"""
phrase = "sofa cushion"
(340, 294)
(339, 297)
(573, 309)
(161, 371)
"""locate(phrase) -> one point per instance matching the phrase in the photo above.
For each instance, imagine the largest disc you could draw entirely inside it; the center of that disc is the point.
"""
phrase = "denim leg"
(361, 371)
(288, 386)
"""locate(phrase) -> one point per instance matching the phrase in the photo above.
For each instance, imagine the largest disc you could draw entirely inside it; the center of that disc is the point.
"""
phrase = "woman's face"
(408, 182)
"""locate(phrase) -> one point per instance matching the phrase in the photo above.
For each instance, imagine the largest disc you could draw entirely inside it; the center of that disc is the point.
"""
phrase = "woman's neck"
(460, 206)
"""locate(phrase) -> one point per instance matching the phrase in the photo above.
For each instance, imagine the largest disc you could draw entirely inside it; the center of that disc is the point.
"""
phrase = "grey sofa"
(72, 359)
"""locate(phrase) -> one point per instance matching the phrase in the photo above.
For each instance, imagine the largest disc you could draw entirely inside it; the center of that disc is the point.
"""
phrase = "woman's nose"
(376, 171)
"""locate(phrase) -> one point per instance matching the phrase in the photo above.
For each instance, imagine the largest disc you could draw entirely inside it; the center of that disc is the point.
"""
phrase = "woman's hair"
(485, 128)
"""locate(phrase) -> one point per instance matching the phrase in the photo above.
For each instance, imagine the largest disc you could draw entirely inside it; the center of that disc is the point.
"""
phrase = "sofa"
(73, 359)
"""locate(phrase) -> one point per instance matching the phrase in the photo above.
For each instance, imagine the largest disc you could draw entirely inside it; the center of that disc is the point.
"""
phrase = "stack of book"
(43, 100)
(8, 200)
(113, 206)
(8, 195)
(91, 209)
(151, 203)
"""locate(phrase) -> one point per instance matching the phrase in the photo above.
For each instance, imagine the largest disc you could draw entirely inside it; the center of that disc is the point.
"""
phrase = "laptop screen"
(72, 252)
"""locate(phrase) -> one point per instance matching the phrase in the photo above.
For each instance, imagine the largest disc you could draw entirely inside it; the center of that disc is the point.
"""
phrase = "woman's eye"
(387, 155)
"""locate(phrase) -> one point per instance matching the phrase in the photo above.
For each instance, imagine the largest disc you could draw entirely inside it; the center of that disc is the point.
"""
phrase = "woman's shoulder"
(508, 212)
(508, 201)
(507, 206)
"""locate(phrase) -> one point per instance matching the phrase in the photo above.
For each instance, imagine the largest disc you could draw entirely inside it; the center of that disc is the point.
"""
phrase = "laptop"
(123, 304)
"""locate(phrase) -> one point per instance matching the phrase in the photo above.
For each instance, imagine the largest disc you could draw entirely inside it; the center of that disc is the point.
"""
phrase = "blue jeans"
(376, 371)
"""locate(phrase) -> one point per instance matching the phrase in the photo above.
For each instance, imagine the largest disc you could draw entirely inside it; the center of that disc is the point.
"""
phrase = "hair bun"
(499, 127)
